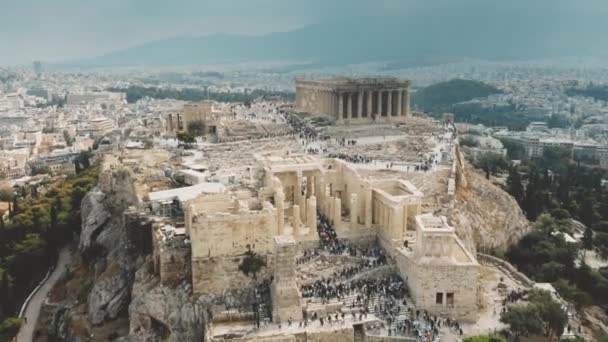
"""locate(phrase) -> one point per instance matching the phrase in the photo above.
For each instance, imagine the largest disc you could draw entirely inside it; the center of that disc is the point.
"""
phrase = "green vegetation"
(196, 128)
(453, 97)
(551, 190)
(491, 163)
(9, 328)
(135, 93)
(39, 224)
(485, 338)
(515, 150)
(542, 315)
(442, 96)
(598, 92)
(55, 101)
(469, 141)
(505, 115)
(555, 181)
(186, 137)
(558, 121)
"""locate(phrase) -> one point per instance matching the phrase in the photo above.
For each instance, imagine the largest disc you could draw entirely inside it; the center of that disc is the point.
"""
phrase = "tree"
(541, 315)
(515, 150)
(196, 128)
(485, 338)
(469, 141)
(588, 239)
(601, 244)
(492, 162)
(7, 299)
(587, 212)
(572, 293)
(15, 209)
(54, 218)
(514, 186)
(186, 138)
(523, 320)
(601, 226)
(67, 138)
(551, 312)
(9, 328)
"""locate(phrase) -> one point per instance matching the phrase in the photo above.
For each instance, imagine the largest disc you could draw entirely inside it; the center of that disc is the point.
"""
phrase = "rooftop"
(187, 193)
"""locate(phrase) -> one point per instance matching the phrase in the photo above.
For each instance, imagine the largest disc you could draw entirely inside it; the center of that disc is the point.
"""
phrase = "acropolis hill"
(342, 217)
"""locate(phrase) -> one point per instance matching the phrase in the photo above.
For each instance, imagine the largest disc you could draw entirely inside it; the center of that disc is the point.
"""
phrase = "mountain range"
(492, 33)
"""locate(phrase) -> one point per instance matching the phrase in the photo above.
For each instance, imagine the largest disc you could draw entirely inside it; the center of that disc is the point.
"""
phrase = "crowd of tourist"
(307, 256)
(351, 158)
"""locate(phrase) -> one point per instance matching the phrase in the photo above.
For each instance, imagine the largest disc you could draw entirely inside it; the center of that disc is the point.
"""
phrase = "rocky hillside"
(486, 216)
(110, 291)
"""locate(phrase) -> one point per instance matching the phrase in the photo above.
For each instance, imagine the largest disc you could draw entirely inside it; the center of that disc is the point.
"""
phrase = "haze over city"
(304, 170)
(69, 30)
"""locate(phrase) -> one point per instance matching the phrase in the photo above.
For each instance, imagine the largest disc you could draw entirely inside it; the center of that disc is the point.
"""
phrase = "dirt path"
(26, 333)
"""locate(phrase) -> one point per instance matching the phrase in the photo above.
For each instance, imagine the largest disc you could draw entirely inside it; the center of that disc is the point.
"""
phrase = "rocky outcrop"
(487, 218)
(104, 239)
(94, 216)
(161, 313)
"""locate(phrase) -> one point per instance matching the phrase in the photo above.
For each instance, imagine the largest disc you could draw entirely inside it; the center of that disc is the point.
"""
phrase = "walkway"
(26, 334)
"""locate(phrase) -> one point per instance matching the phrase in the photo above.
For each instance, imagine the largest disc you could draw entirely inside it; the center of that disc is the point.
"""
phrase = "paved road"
(26, 333)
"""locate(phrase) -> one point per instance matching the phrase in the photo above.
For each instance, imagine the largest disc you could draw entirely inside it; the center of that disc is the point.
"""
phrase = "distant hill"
(597, 92)
(442, 96)
(493, 30)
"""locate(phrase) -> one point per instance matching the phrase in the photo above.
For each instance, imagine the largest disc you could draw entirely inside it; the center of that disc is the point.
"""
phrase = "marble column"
(337, 213)
(359, 104)
(349, 106)
(310, 189)
(327, 202)
(368, 208)
(369, 103)
(319, 190)
(340, 106)
(407, 103)
(311, 214)
(389, 104)
(400, 102)
(379, 103)
(295, 220)
(297, 198)
(398, 222)
(279, 201)
(353, 210)
(334, 105)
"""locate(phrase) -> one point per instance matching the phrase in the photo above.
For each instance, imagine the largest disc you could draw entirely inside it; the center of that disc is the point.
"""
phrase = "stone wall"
(372, 338)
(232, 234)
(338, 335)
(214, 276)
(522, 278)
(345, 334)
(174, 266)
(425, 280)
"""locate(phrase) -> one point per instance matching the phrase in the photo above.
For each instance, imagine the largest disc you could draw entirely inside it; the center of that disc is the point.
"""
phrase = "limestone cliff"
(160, 313)
(121, 281)
(104, 239)
(487, 218)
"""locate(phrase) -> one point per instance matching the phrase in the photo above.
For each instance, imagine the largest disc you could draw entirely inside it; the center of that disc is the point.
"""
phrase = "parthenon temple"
(360, 100)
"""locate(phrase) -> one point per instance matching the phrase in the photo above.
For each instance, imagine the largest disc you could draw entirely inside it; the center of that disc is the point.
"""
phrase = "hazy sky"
(54, 30)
